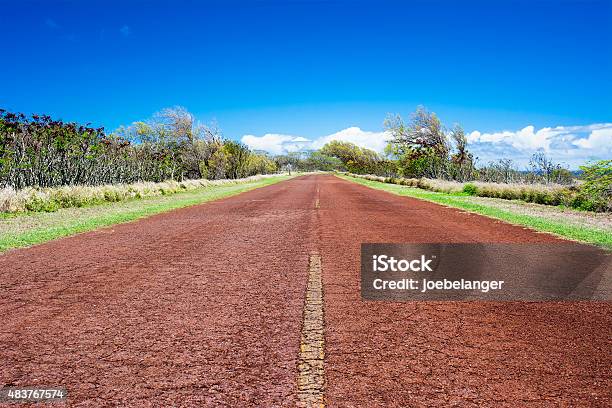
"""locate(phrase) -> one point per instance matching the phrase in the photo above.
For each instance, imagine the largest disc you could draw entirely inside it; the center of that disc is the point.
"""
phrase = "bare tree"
(178, 122)
(542, 166)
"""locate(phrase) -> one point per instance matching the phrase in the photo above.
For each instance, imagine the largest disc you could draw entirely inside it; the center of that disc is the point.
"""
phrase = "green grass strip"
(583, 234)
(34, 228)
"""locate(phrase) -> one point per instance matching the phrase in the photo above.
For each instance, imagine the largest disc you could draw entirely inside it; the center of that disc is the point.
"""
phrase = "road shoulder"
(17, 231)
(513, 214)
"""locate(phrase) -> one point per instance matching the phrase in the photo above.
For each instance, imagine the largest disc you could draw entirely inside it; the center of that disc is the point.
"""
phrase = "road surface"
(204, 306)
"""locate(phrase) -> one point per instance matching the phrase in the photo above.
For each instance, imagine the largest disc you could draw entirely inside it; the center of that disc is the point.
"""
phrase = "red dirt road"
(203, 307)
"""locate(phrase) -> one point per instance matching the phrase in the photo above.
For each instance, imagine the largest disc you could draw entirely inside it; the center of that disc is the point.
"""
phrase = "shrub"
(470, 189)
(40, 201)
(596, 191)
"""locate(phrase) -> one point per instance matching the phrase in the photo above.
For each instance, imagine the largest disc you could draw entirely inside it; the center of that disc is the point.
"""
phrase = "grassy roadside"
(579, 233)
(33, 228)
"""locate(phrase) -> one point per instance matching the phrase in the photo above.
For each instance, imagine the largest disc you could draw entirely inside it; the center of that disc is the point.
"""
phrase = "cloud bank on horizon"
(572, 146)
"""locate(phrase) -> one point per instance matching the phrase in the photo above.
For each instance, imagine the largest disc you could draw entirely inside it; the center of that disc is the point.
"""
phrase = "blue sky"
(311, 69)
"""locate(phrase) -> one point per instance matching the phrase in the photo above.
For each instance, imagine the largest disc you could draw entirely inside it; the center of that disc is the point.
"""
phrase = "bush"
(470, 189)
(596, 191)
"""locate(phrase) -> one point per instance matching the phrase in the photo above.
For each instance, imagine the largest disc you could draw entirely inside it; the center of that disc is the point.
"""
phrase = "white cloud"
(125, 30)
(280, 144)
(275, 143)
(301, 139)
(526, 138)
(569, 145)
(598, 139)
(371, 140)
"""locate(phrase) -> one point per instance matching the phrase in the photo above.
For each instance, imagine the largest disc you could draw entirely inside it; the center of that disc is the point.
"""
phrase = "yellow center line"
(311, 372)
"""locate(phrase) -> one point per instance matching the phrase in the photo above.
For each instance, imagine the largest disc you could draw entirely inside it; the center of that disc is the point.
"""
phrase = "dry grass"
(549, 194)
(52, 199)
(578, 218)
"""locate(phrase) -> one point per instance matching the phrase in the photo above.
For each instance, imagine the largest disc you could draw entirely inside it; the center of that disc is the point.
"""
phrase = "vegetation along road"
(253, 300)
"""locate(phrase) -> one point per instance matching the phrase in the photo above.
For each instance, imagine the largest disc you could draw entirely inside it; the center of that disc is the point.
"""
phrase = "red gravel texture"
(203, 306)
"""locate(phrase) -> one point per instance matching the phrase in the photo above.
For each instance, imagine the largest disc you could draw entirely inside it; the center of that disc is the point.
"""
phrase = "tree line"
(39, 151)
(424, 147)
(42, 152)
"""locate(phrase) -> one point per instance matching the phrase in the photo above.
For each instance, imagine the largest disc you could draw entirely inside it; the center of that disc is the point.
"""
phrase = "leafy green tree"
(259, 163)
(217, 165)
(293, 160)
(356, 159)
(423, 135)
(596, 191)
(421, 140)
(316, 160)
(237, 158)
